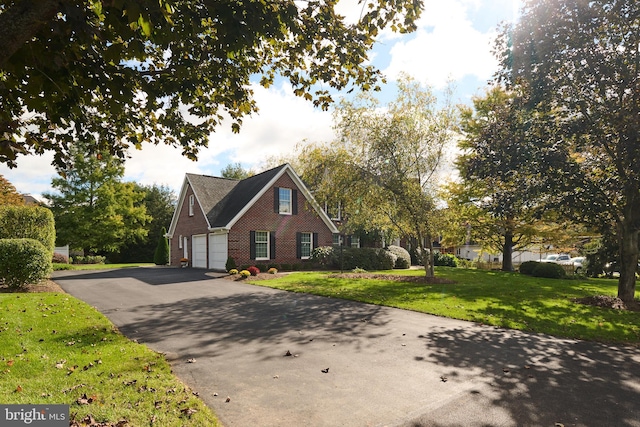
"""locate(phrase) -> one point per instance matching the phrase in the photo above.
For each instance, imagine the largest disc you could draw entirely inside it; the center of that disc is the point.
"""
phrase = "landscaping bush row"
(89, 259)
(548, 270)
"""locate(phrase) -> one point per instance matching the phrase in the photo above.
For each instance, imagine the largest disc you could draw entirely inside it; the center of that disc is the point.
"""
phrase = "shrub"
(261, 267)
(445, 260)
(324, 256)
(272, 270)
(245, 274)
(549, 270)
(90, 259)
(28, 222)
(358, 270)
(286, 267)
(23, 261)
(161, 255)
(253, 270)
(59, 258)
(527, 267)
(59, 267)
(231, 265)
(233, 271)
(403, 259)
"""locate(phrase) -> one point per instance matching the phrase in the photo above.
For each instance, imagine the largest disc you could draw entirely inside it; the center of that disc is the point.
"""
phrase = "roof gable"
(224, 201)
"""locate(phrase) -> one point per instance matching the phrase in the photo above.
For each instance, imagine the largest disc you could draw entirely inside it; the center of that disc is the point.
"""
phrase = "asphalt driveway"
(386, 367)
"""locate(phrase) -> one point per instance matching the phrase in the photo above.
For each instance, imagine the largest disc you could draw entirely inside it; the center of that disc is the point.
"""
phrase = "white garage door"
(199, 251)
(217, 251)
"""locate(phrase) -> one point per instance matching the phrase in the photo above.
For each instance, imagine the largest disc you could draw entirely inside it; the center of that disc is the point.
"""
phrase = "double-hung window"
(192, 202)
(284, 195)
(306, 245)
(262, 245)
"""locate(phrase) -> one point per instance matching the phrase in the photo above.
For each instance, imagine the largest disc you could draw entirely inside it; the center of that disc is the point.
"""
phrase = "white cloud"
(445, 47)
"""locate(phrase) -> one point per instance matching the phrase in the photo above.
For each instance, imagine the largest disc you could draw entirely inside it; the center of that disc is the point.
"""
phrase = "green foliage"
(403, 258)
(23, 262)
(262, 267)
(94, 210)
(28, 222)
(549, 270)
(159, 202)
(324, 256)
(230, 264)
(445, 260)
(89, 259)
(120, 73)
(235, 171)
(366, 258)
(527, 267)
(161, 257)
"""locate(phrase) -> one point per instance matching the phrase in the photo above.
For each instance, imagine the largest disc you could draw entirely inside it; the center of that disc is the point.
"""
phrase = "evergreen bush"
(161, 255)
(23, 262)
(445, 260)
(549, 270)
(527, 267)
(28, 222)
(230, 264)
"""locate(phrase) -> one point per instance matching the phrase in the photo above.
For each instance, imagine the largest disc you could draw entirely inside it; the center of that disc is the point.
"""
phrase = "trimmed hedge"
(445, 260)
(23, 261)
(549, 270)
(28, 222)
(161, 255)
(527, 267)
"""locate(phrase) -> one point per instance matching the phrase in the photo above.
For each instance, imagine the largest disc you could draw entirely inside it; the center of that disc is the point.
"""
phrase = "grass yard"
(497, 298)
(56, 349)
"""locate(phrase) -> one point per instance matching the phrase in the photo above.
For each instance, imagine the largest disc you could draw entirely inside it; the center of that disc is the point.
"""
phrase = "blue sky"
(453, 42)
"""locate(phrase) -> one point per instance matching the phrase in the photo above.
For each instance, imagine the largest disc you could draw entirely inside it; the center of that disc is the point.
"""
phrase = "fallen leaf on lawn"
(325, 370)
(9, 362)
(188, 411)
(443, 379)
(122, 423)
(18, 389)
(228, 399)
(84, 400)
(70, 343)
(288, 353)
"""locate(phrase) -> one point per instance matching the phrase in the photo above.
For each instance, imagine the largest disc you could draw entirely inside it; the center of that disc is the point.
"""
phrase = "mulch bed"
(605, 301)
(44, 286)
(395, 278)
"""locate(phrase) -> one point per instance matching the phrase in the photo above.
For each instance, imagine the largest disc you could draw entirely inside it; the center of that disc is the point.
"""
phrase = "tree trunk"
(430, 271)
(507, 252)
(628, 238)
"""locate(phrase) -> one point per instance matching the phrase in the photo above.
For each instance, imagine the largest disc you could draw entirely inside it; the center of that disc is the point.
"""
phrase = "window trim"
(302, 244)
(192, 201)
(288, 191)
(266, 242)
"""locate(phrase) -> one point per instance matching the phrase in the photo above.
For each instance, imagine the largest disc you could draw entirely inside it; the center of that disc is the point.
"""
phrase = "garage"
(218, 251)
(199, 251)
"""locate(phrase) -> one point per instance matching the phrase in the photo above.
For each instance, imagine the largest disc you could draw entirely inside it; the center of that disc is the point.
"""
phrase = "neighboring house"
(269, 218)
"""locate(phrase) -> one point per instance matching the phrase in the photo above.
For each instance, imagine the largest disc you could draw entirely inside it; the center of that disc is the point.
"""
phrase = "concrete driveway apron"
(355, 364)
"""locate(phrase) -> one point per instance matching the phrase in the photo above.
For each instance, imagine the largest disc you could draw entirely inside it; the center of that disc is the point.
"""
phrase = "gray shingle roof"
(222, 199)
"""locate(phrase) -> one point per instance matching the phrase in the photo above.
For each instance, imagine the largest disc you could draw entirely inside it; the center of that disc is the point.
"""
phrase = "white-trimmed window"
(355, 241)
(192, 201)
(306, 245)
(284, 197)
(337, 239)
(333, 210)
(262, 245)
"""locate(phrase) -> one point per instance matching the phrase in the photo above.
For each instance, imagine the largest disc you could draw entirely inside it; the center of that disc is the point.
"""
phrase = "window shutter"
(276, 199)
(298, 245)
(252, 245)
(272, 245)
(348, 241)
(294, 202)
(315, 241)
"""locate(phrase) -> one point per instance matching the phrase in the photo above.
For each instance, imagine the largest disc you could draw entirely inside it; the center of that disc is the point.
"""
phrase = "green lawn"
(495, 298)
(56, 349)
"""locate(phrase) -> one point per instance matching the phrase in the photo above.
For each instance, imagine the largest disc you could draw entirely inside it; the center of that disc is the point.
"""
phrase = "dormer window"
(284, 201)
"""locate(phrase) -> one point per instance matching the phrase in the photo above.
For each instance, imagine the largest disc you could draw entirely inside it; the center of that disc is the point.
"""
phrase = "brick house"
(269, 218)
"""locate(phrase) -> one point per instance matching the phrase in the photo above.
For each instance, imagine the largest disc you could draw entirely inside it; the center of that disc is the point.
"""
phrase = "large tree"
(384, 166)
(120, 73)
(582, 62)
(498, 165)
(94, 210)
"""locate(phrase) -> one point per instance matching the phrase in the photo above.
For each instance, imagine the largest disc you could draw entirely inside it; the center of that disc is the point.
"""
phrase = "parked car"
(557, 258)
(577, 263)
